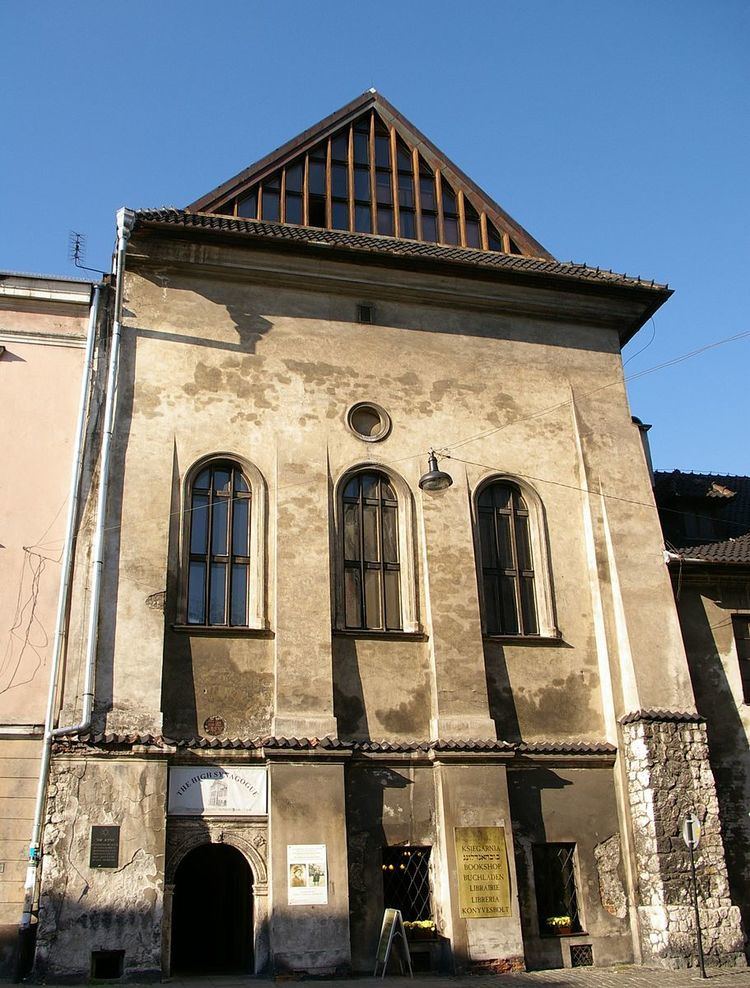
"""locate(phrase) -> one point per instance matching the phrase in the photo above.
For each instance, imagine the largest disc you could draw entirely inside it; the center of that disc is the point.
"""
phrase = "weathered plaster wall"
(84, 909)
(267, 372)
(307, 807)
(476, 796)
(568, 805)
(230, 678)
(40, 386)
(40, 381)
(381, 688)
(705, 608)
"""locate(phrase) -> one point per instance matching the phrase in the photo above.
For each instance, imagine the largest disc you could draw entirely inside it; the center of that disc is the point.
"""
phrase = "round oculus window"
(368, 421)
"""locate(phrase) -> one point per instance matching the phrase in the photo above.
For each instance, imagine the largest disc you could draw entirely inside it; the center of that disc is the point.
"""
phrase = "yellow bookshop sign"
(482, 865)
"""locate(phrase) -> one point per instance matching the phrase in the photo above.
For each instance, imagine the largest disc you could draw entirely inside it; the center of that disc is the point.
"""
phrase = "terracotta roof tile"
(668, 716)
(367, 243)
(733, 551)
(127, 741)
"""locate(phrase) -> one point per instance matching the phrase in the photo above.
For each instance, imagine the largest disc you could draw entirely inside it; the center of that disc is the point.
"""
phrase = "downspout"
(125, 221)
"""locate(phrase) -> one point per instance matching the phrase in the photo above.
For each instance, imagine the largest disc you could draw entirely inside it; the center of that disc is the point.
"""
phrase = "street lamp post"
(691, 834)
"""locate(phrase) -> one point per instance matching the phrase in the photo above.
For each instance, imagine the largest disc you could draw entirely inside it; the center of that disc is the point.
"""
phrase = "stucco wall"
(40, 386)
(267, 373)
(83, 909)
(40, 381)
(557, 805)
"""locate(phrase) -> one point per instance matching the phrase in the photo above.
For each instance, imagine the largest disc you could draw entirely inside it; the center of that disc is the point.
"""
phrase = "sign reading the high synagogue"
(211, 790)
(307, 874)
(482, 865)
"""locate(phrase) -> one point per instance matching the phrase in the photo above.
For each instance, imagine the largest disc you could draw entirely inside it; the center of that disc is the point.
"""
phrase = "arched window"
(509, 579)
(218, 535)
(371, 557)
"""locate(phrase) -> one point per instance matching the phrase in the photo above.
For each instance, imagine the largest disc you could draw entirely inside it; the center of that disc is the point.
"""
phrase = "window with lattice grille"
(582, 955)
(406, 881)
(555, 884)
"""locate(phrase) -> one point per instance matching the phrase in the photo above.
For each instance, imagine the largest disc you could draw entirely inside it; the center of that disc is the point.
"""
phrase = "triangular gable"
(367, 169)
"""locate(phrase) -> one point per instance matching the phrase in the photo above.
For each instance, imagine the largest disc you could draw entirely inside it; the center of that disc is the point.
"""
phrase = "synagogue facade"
(335, 673)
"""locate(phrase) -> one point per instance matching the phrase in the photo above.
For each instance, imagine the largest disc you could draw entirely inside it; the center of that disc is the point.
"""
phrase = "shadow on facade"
(348, 693)
(110, 574)
(525, 789)
(729, 753)
(500, 693)
(366, 799)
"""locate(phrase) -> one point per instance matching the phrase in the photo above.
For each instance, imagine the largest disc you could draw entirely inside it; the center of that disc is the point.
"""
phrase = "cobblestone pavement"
(617, 977)
(602, 977)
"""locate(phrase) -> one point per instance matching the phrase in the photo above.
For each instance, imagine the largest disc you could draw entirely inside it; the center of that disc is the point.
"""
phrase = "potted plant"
(559, 925)
(420, 929)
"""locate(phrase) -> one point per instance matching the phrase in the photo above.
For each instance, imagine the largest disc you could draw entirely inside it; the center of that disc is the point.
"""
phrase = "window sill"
(561, 936)
(540, 641)
(416, 636)
(221, 631)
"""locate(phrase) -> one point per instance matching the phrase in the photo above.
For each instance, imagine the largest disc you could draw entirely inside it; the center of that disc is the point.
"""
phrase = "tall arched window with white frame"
(219, 546)
(507, 564)
(371, 558)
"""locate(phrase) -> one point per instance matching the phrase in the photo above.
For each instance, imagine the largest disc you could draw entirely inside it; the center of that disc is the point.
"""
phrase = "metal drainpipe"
(125, 221)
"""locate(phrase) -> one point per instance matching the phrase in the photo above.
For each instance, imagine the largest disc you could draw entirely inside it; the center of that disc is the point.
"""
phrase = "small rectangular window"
(316, 209)
(742, 642)
(555, 884)
(364, 313)
(107, 965)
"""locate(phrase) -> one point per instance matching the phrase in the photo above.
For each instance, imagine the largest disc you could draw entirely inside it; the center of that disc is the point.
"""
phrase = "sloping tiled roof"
(721, 501)
(478, 746)
(368, 243)
(735, 551)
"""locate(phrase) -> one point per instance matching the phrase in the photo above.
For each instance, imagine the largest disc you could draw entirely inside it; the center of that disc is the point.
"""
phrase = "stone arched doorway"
(248, 839)
(212, 912)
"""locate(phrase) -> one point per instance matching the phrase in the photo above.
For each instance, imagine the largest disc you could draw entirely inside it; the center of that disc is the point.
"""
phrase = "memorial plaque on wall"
(105, 847)
(482, 867)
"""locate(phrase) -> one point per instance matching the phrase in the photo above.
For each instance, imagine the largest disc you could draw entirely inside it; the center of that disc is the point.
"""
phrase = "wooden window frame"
(406, 553)
(547, 630)
(255, 560)
(362, 565)
(542, 854)
(370, 122)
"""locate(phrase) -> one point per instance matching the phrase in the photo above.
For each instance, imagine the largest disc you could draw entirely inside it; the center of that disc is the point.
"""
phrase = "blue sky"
(616, 133)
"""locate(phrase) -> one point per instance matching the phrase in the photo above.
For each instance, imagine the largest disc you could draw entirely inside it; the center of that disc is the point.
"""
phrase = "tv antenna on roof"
(77, 251)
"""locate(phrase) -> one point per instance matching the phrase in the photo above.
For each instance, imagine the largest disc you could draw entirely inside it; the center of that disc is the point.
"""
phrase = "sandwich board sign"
(393, 927)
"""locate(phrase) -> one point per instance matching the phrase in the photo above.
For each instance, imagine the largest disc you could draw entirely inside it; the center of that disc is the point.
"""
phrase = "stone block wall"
(669, 776)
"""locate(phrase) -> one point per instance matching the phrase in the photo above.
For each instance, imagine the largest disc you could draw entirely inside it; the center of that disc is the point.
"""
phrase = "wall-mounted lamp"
(434, 479)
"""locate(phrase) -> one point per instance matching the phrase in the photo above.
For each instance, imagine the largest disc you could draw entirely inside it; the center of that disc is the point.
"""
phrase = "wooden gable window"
(507, 563)
(367, 178)
(218, 581)
(371, 558)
